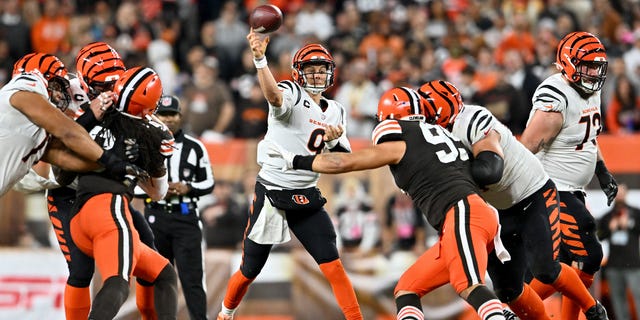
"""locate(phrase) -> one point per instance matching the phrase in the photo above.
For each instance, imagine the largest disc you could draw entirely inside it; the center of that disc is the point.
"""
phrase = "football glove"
(274, 150)
(132, 151)
(607, 183)
(119, 168)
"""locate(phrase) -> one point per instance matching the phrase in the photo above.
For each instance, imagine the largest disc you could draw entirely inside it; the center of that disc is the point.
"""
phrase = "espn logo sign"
(300, 199)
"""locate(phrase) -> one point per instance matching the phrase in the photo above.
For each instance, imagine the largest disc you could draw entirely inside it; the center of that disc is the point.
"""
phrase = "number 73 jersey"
(571, 158)
(435, 168)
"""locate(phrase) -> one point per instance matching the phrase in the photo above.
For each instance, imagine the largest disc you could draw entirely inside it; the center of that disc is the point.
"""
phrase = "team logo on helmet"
(442, 100)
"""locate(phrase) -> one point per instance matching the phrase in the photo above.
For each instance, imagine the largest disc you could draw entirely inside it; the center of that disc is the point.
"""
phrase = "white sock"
(227, 311)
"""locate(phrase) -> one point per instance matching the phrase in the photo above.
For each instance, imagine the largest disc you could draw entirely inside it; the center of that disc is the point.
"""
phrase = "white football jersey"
(298, 126)
(523, 174)
(22, 142)
(78, 96)
(570, 160)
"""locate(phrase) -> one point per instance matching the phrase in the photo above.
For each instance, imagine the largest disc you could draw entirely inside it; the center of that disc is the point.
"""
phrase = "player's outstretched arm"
(541, 130)
(56, 123)
(369, 158)
(60, 156)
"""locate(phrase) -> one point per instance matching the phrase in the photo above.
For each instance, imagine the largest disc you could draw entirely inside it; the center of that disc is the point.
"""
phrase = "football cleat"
(597, 312)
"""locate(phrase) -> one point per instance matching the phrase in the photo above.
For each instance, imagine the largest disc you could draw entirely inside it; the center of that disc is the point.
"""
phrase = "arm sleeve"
(487, 168)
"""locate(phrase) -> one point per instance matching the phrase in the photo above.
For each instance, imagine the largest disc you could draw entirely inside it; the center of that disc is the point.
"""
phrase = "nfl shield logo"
(165, 101)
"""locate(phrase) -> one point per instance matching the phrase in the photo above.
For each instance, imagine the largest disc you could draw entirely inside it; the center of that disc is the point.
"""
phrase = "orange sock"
(237, 287)
(77, 302)
(542, 290)
(145, 303)
(570, 309)
(342, 289)
(529, 306)
(572, 287)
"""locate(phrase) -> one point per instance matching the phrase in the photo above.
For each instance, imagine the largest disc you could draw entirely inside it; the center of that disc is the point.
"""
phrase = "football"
(265, 18)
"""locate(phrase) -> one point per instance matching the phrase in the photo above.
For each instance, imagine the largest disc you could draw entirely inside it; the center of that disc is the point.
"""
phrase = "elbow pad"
(487, 168)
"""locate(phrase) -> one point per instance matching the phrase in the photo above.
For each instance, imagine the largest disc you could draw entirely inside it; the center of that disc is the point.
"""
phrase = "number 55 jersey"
(571, 158)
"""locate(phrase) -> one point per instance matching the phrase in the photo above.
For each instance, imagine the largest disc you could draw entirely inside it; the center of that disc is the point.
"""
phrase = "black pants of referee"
(178, 237)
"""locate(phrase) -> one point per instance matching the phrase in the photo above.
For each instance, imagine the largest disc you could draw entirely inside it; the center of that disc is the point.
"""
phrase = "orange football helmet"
(400, 103)
(582, 59)
(98, 66)
(53, 70)
(138, 91)
(313, 54)
(442, 101)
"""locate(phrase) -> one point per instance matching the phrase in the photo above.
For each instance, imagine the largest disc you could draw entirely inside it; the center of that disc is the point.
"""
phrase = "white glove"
(277, 151)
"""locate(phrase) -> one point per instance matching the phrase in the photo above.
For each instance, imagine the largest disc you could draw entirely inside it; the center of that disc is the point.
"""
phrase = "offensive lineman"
(563, 125)
(303, 121)
(512, 180)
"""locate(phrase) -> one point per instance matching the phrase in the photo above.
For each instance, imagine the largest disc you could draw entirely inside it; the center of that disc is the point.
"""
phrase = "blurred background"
(496, 52)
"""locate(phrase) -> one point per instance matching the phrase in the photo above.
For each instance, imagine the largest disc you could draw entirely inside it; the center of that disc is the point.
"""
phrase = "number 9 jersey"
(298, 126)
(571, 158)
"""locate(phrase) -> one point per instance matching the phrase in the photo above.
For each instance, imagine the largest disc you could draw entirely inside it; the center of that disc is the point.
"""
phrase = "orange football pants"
(460, 256)
(103, 229)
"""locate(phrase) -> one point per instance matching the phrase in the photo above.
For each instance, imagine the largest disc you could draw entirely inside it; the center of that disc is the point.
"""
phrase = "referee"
(175, 221)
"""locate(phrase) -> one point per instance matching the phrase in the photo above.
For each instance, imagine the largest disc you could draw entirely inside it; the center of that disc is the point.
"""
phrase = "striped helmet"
(98, 66)
(400, 103)
(46, 64)
(442, 100)
(53, 71)
(313, 54)
(138, 91)
(582, 59)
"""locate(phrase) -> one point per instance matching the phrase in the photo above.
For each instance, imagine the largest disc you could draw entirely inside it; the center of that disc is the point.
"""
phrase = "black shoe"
(597, 312)
(509, 315)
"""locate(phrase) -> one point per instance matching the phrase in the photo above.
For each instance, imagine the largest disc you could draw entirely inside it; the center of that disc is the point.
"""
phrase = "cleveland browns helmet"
(313, 54)
(98, 66)
(138, 91)
(53, 70)
(582, 59)
(442, 101)
(400, 103)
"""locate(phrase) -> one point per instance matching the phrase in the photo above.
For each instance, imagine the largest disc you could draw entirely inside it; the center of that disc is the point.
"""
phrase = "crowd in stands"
(495, 51)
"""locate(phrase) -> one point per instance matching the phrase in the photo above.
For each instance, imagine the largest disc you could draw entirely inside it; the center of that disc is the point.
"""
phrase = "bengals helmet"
(400, 103)
(582, 59)
(138, 91)
(442, 101)
(98, 66)
(312, 54)
(53, 70)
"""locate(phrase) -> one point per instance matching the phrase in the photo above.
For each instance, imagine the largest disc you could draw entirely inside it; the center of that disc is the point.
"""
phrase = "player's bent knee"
(507, 295)
(78, 282)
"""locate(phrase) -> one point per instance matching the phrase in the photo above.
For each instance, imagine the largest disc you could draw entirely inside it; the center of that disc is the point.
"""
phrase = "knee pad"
(78, 282)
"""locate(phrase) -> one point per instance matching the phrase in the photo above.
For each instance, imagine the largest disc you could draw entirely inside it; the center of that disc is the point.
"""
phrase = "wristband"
(260, 63)
(303, 162)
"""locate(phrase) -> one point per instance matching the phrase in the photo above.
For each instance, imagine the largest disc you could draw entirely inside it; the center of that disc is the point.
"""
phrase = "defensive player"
(299, 117)
(432, 166)
(512, 180)
(101, 225)
(562, 132)
(29, 120)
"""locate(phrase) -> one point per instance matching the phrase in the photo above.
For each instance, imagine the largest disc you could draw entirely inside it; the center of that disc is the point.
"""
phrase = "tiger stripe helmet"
(578, 53)
(442, 100)
(138, 91)
(53, 71)
(313, 54)
(46, 64)
(98, 66)
(400, 103)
